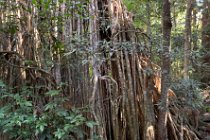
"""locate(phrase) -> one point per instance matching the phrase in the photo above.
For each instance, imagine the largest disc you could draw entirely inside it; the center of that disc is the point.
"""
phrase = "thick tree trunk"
(165, 81)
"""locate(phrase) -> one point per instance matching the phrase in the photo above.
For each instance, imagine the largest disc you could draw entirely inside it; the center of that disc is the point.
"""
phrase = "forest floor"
(204, 118)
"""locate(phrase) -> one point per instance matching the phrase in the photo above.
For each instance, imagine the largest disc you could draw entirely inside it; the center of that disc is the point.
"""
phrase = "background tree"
(165, 74)
(205, 42)
(187, 45)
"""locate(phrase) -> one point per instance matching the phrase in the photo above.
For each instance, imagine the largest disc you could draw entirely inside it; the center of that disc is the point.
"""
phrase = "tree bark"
(149, 33)
(187, 43)
(165, 81)
(205, 43)
(194, 26)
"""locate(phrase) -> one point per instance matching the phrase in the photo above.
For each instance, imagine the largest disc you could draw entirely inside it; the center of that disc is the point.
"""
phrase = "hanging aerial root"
(179, 131)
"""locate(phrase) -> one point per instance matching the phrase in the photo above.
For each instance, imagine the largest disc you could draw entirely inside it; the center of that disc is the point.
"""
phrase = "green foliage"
(206, 108)
(21, 118)
(206, 30)
(188, 93)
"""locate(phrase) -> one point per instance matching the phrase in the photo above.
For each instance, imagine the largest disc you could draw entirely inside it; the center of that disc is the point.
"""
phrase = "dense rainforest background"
(105, 69)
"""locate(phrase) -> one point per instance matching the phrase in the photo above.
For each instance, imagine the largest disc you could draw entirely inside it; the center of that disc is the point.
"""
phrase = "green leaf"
(69, 117)
(47, 4)
(25, 103)
(28, 103)
(34, 2)
(61, 112)
(68, 127)
(59, 133)
(50, 106)
(53, 93)
(91, 124)
(41, 128)
(1, 115)
(2, 84)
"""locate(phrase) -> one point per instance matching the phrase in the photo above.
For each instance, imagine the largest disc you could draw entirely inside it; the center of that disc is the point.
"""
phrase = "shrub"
(22, 118)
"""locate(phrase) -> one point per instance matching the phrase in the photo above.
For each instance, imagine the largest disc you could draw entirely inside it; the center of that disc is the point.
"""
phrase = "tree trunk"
(149, 32)
(194, 38)
(195, 26)
(204, 70)
(187, 44)
(165, 75)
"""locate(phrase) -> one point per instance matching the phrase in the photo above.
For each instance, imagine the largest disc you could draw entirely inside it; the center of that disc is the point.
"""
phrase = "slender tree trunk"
(166, 29)
(206, 24)
(149, 33)
(195, 32)
(194, 26)
(187, 44)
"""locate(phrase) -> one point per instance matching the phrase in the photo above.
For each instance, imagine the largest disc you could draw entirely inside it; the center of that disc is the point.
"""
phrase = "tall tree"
(165, 75)
(187, 43)
(206, 42)
(195, 26)
(149, 32)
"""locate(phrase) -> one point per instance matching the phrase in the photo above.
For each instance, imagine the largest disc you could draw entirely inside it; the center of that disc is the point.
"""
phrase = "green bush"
(188, 93)
(22, 118)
